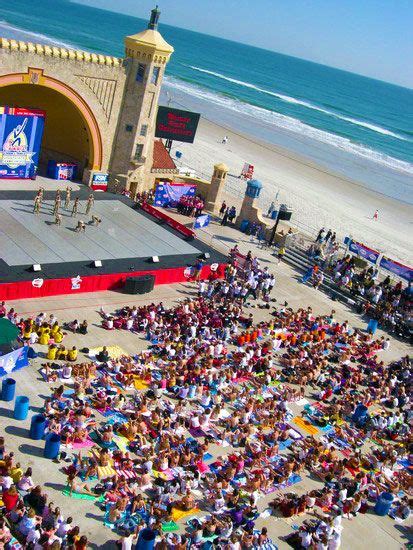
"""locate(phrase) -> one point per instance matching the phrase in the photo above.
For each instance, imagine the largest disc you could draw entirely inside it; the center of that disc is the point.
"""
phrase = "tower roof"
(221, 166)
(150, 38)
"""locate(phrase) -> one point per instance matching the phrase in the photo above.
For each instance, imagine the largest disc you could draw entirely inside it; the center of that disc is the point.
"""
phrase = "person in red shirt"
(10, 498)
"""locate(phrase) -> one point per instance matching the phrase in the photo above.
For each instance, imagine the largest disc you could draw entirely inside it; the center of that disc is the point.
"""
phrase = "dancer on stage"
(90, 203)
(67, 199)
(37, 204)
(57, 203)
(75, 207)
(58, 219)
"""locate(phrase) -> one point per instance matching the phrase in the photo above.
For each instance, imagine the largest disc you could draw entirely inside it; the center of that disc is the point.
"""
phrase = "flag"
(202, 221)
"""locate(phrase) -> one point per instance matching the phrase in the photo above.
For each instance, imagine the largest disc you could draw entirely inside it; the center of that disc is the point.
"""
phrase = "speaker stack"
(139, 285)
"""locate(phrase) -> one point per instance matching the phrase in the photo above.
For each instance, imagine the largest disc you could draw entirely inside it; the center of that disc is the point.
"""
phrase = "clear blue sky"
(370, 37)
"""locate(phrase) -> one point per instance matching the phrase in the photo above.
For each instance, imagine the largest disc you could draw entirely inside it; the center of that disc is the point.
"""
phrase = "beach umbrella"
(8, 332)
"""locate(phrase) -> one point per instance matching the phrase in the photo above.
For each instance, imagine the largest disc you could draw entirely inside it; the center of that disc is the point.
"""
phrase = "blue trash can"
(37, 426)
(383, 504)
(360, 412)
(8, 389)
(146, 540)
(244, 226)
(21, 407)
(274, 214)
(372, 326)
(52, 447)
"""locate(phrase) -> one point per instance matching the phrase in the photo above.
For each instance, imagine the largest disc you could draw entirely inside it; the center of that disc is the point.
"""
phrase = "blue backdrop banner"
(13, 361)
(401, 270)
(168, 194)
(21, 132)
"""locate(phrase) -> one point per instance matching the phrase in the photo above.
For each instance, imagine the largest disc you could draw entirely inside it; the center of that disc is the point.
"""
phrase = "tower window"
(144, 129)
(138, 151)
(129, 128)
(155, 75)
(140, 73)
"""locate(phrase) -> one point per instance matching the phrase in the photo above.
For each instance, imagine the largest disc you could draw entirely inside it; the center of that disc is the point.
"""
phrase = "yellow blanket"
(176, 514)
(305, 425)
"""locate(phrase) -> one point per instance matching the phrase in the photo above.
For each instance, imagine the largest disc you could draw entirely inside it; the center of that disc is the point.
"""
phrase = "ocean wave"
(29, 36)
(290, 124)
(307, 104)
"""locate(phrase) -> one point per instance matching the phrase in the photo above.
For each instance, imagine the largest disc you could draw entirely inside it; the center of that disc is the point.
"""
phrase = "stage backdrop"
(168, 194)
(21, 132)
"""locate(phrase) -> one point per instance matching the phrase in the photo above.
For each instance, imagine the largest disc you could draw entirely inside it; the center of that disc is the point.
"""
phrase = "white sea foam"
(290, 124)
(9, 31)
(307, 104)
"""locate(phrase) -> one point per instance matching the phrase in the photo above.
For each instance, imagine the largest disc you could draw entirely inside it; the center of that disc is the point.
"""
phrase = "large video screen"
(176, 124)
(21, 132)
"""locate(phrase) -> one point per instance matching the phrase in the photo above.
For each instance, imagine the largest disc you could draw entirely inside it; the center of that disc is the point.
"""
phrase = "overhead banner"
(168, 194)
(176, 124)
(13, 361)
(401, 270)
(21, 132)
(364, 251)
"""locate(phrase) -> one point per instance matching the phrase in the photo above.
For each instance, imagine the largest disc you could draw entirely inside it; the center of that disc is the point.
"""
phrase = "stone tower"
(215, 191)
(147, 54)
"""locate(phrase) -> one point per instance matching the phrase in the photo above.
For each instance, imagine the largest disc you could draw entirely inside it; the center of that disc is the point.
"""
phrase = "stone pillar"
(249, 209)
(216, 188)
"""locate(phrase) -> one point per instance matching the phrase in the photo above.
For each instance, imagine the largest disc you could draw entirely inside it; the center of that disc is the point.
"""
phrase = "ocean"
(354, 126)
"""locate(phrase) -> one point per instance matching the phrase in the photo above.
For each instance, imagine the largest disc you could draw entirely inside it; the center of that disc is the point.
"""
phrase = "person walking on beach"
(37, 204)
(75, 207)
(376, 215)
(225, 140)
(90, 203)
(67, 199)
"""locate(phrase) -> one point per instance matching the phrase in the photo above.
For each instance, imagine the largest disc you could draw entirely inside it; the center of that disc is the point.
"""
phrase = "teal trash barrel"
(244, 226)
(146, 540)
(383, 504)
(37, 426)
(8, 389)
(21, 407)
(274, 214)
(372, 326)
(52, 447)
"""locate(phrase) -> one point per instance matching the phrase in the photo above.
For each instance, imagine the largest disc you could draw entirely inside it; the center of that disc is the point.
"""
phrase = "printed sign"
(13, 361)
(176, 124)
(100, 181)
(21, 132)
(401, 270)
(202, 221)
(364, 251)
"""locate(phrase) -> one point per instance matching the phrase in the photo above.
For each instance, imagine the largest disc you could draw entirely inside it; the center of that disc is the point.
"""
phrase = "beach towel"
(81, 496)
(140, 384)
(83, 444)
(114, 351)
(305, 425)
(176, 514)
(105, 471)
(170, 527)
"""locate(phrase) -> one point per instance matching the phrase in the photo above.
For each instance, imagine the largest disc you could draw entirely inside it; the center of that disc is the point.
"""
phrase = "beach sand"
(318, 197)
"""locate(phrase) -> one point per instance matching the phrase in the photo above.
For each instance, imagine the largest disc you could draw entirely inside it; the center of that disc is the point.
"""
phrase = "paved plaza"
(365, 530)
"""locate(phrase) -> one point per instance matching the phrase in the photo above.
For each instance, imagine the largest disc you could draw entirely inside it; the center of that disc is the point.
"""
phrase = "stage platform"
(125, 242)
(26, 238)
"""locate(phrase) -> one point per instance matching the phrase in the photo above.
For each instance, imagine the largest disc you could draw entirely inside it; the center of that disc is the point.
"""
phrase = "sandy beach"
(317, 197)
